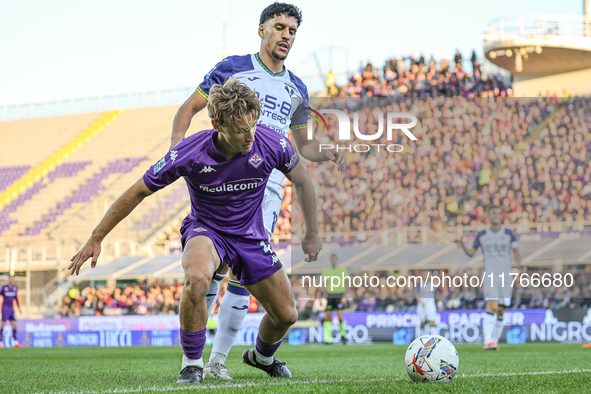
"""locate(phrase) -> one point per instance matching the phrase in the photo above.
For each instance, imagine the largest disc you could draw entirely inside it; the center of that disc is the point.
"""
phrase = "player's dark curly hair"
(277, 9)
(231, 103)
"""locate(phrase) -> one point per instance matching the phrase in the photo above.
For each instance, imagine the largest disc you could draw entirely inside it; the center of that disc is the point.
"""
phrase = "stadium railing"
(95, 104)
(537, 26)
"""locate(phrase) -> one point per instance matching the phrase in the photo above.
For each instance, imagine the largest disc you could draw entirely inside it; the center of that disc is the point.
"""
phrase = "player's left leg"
(341, 322)
(488, 323)
(214, 288)
(431, 315)
(498, 327)
(2, 332)
(232, 313)
(275, 295)
(14, 326)
(327, 323)
(429, 328)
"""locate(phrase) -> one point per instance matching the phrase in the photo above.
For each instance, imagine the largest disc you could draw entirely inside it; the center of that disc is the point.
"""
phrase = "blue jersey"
(226, 195)
(8, 294)
(496, 248)
(284, 96)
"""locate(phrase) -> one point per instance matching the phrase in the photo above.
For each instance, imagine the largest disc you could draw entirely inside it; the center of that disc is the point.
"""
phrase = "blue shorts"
(251, 260)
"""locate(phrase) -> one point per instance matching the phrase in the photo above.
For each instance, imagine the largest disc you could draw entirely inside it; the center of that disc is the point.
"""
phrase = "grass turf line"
(548, 367)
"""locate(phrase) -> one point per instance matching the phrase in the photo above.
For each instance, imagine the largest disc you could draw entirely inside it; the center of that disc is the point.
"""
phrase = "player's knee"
(197, 283)
(288, 317)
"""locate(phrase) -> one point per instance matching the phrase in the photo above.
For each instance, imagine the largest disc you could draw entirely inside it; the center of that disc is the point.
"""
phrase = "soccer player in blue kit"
(9, 292)
(226, 170)
(285, 101)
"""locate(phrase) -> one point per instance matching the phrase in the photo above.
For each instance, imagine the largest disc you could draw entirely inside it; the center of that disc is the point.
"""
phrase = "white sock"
(233, 310)
(487, 327)
(263, 359)
(220, 356)
(212, 292)
(498, 330)
(188, 362)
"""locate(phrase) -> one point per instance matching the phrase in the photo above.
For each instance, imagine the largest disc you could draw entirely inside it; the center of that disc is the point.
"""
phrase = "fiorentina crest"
(255, 160)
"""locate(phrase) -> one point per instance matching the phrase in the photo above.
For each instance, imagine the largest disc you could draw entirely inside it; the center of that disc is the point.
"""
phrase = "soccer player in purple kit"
(226, 170)
(9, 294)
(285, 102)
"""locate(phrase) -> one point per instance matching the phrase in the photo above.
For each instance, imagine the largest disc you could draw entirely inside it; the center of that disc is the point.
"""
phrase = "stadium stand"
(121, 153)
(386, 213)
(410, 77)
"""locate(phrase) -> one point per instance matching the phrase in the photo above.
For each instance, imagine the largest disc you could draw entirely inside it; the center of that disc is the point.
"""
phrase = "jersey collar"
(256, 55)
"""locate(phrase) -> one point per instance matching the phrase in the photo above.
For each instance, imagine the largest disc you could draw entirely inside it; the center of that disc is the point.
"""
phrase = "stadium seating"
(69, 200)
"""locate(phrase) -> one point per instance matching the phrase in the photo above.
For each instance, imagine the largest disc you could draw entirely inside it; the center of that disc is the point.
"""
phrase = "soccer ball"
(431, 358)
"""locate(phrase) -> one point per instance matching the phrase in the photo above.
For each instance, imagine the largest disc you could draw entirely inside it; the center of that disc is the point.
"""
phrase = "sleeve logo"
(294, 158)
(158, 166)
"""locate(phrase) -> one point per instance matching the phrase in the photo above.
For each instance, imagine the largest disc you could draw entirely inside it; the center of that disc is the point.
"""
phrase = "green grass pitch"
(549, 367)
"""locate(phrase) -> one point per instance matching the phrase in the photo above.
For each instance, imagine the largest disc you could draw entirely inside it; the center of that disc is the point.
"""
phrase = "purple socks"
(193, 343)
(265, 349)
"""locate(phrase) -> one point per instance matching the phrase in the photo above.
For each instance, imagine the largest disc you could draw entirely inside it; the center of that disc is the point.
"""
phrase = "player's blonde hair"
(229, 104)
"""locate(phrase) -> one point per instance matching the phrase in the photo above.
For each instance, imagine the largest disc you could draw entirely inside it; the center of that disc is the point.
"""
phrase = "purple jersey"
(226, 195)
(8, 294)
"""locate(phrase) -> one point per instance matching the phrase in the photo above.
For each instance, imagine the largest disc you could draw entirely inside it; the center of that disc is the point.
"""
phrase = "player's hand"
(311, 246)
(459, 242)
(338, 158)
(422, 302)
(91, 249)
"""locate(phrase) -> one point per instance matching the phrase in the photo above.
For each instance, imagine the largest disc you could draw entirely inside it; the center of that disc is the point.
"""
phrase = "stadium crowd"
(142, 298)
(469, 154)
(160, 298)
(311, 301)
(412, 77)
(471, 151)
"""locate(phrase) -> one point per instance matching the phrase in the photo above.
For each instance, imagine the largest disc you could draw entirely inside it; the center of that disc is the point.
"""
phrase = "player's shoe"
(1, 346)
(587, 345)
(16, 344)
(343, 340)
(215, 369)
(276, 369)
(191, 374)
(491, 346)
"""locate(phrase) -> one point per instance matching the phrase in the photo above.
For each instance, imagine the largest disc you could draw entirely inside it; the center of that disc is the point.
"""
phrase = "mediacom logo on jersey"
(344, 133)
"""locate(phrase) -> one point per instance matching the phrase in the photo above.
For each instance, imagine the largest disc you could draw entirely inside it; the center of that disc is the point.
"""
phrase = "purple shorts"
(249, 259)
(8, 314)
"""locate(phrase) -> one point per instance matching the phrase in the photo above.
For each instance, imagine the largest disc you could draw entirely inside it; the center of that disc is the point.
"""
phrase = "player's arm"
(122, 207)
(18, 302)
(469, 251)
(310, 149)
(184, 115)
(198, 100)
(517, 257)
(311, 244)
